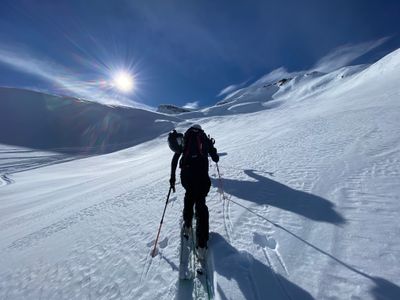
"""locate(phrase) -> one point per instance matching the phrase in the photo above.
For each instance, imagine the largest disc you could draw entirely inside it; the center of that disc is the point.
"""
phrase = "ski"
(202, 285)
(185, 261)
(194, 270)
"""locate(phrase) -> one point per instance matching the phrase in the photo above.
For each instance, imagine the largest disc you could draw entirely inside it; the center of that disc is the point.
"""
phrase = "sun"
(124, 81)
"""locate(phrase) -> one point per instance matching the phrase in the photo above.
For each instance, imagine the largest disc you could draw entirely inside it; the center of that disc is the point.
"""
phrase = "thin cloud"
(63, 79)
(192, 105)
(232, 88)
(234, 93)
(228, 89)
(345, 54)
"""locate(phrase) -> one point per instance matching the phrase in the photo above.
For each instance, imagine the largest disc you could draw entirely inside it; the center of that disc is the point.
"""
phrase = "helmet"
(197, 126)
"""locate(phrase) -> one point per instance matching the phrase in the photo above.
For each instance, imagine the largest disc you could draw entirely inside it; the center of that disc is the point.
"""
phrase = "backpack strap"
(187, 148)
(199, 145)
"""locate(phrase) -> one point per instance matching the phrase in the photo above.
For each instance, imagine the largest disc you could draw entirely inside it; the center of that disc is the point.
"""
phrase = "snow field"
(311, 210)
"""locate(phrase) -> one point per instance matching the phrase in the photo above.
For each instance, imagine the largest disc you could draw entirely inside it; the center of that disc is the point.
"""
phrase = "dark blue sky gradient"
(185, 51)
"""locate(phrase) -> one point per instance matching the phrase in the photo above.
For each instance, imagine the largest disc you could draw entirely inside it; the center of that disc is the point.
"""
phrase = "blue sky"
(184, 51)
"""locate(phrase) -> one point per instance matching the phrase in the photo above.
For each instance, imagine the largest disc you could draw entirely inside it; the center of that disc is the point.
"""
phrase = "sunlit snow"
(310, 170)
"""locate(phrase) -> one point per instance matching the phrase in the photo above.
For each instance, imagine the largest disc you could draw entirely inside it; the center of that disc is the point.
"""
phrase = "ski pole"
(220, 183)
(153, 253)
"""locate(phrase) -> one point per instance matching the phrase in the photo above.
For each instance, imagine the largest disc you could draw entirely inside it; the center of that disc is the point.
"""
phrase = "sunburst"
(124, 81)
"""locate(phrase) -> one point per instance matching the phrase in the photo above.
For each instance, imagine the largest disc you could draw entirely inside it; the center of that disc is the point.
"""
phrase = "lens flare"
(124, 81)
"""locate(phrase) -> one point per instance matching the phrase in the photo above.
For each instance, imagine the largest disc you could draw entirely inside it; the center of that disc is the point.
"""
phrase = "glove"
(215, 158)
(172, 183)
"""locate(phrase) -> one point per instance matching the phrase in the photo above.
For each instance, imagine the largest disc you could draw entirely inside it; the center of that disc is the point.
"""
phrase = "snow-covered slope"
(171, 109)
(41, 121)
(313, 210)
(266, 94)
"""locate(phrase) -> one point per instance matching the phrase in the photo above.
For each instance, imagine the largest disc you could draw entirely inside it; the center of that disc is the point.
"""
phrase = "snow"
(69, 125)
(310, 172)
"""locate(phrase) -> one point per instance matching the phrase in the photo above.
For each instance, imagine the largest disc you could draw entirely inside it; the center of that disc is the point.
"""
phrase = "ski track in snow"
(226, 217)
(265, 247)
(75, 218)
(17, 159)
(263, 242)
(5, 180)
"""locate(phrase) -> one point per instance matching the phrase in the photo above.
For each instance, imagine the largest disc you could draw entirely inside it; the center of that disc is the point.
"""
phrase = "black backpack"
(195, 148)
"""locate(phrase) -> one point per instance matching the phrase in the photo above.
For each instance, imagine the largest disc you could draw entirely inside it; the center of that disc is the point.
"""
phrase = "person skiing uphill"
(194, 178)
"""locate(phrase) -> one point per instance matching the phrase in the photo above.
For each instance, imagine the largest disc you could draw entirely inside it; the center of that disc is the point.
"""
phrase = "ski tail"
(185, 261)
(203, 285)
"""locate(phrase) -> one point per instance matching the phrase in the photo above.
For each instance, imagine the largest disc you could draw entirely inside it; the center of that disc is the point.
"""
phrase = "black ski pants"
(197, 187)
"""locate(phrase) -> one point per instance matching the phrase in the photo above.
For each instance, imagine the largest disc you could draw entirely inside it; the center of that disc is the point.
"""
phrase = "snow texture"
(307, 206)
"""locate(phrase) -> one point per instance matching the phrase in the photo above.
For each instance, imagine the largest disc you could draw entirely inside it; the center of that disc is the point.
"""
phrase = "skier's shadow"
(253, 277)
(256, 280)
(270, 192)
(384, 289)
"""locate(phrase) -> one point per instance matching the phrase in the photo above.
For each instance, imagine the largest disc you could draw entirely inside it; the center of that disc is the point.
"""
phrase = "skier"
(194, 178)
